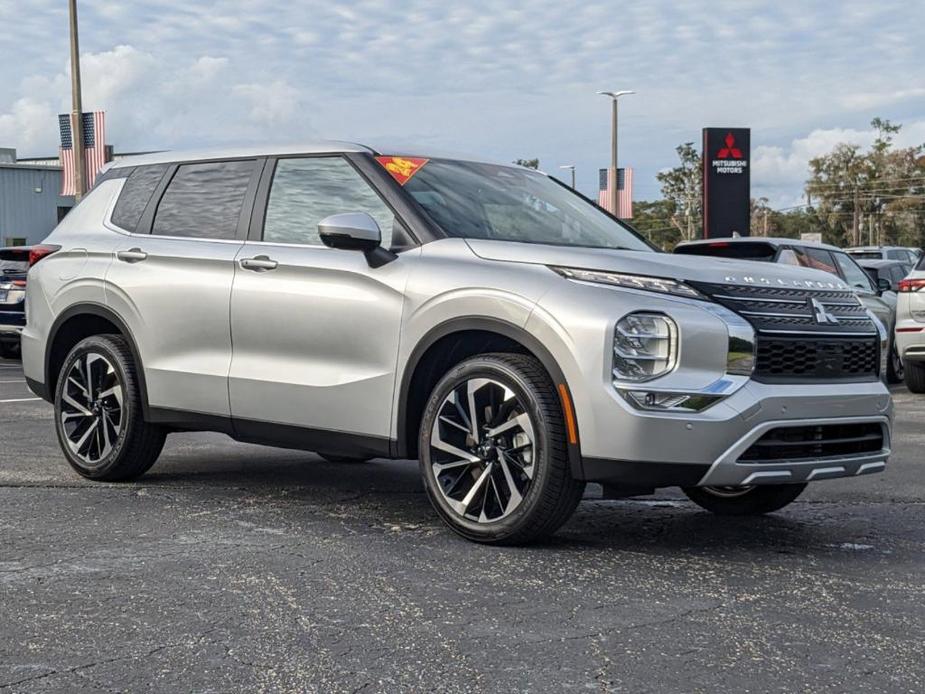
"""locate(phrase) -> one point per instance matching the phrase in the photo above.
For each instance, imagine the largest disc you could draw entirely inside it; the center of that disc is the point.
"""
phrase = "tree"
(760, 217)
(653, 220)
(682, 189)
(528, 163)
(877, 196)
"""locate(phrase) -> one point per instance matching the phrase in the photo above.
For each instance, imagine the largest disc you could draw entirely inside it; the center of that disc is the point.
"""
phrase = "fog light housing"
(666, 401)
(645, 346)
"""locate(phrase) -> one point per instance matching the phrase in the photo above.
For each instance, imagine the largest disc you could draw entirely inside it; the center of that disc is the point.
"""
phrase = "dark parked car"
(886, 273)
(819, 256)
(14, 263)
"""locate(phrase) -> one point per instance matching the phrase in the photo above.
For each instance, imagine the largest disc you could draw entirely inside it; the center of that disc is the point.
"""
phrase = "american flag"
(624, 192)
(94, 131)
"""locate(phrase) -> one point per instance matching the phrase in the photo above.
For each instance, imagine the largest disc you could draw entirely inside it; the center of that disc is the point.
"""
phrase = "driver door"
(315, 330)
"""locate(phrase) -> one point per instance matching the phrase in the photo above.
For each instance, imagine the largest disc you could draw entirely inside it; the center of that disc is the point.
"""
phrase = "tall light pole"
(614, 197)
(571, 167)
(77, 131)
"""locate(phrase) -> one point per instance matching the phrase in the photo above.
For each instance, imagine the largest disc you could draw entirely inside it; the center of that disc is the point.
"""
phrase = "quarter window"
(819, 259)
(204, 200)
(136, 192)
(306, 190)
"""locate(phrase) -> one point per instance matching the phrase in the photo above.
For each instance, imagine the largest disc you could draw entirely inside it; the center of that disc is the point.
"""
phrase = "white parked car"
(910, 327)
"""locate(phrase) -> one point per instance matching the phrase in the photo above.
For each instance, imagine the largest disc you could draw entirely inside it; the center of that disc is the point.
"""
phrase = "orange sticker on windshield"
(402, 168)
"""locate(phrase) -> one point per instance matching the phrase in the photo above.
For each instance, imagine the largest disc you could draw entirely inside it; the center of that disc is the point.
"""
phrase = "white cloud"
(269, 104)
(26, 126)
(868, 100)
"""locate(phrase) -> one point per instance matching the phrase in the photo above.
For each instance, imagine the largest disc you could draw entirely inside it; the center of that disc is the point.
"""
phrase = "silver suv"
(482, 318)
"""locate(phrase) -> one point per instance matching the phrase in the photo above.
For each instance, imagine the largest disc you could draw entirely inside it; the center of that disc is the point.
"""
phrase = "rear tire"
(895, 372)
(744, 501)
(915, 377)
(98, 412)
(493, 451)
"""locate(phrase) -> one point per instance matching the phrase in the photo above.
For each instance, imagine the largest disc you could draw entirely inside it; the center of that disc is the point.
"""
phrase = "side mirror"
(884, 285)
(355, 231)
(351, 231)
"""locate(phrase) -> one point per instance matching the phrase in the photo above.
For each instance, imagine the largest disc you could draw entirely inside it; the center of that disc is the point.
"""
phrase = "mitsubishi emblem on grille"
(820, 313)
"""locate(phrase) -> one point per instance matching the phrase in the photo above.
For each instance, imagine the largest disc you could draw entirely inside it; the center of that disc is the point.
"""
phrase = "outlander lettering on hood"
(800, 284)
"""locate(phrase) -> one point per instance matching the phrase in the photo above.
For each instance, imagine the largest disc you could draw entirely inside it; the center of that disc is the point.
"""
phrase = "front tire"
(493, 451)
(895, 372)
(744, 501)
(915, 377)
(98, 412)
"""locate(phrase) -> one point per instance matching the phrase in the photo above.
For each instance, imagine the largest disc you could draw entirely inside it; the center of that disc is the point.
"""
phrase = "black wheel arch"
(54, 356)
(411, 404)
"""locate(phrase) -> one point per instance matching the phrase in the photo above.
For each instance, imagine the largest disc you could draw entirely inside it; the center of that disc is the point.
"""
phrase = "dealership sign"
(726, 182)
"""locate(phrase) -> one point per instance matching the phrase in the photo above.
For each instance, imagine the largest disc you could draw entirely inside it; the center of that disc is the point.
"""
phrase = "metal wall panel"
(29, 202)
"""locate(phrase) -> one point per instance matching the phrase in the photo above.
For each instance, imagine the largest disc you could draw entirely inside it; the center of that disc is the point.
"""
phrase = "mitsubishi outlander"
(482, 318)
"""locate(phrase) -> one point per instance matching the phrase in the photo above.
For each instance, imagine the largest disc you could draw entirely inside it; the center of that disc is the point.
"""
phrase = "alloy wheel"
(92, 408)
(482, 450)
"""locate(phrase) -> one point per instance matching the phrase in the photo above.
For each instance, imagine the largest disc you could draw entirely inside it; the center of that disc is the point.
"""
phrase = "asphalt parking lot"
(232, 567)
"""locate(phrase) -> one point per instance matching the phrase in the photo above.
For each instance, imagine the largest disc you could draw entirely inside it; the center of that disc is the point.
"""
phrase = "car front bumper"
(703, 449)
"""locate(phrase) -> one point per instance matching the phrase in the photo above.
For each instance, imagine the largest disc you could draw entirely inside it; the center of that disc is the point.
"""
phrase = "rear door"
(171, 281)
(315, 329)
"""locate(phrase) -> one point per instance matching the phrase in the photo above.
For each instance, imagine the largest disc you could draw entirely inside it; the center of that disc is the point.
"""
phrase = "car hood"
(680, 267)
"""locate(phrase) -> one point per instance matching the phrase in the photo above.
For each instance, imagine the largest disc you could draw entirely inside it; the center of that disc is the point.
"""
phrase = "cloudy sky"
(497, 78)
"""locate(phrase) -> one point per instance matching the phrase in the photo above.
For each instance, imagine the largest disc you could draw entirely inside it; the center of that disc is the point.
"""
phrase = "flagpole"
(614, 171)
(77, 133)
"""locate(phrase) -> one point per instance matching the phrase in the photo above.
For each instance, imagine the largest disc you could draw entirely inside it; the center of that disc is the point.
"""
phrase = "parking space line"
(18, 380)
(20, 400)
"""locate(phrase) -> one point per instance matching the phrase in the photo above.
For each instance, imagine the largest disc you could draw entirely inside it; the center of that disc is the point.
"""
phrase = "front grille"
(785, 359)
(793, 345)
(774, 309)
(815, 442)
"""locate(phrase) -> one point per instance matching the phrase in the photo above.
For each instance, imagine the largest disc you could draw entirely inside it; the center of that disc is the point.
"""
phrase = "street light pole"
(572, 168)
(77, 131)
(614, 195)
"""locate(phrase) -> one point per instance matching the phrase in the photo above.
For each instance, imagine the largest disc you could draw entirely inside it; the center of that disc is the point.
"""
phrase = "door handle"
(260, 263)
(133, 255)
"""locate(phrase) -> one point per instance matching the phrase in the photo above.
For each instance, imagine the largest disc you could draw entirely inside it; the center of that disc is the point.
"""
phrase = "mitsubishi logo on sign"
(820, 313)
(730, 150)
(729, 159)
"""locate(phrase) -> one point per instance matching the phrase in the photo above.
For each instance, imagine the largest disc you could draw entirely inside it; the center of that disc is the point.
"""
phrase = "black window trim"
(258, 213)
(146, 224)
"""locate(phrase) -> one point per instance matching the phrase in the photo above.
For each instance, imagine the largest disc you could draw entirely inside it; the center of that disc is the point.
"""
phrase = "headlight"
(661, 285)
(645, 346)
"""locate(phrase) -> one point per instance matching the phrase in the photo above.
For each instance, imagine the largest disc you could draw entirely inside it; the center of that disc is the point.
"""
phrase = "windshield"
(853, 273)
(503, 203)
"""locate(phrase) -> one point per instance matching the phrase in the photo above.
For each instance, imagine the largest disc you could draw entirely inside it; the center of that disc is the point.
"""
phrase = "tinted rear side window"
(135, 195)
(204, 200)
(721, 249)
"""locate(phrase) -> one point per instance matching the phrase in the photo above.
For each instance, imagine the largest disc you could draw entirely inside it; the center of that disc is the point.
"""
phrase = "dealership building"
(30, 203)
